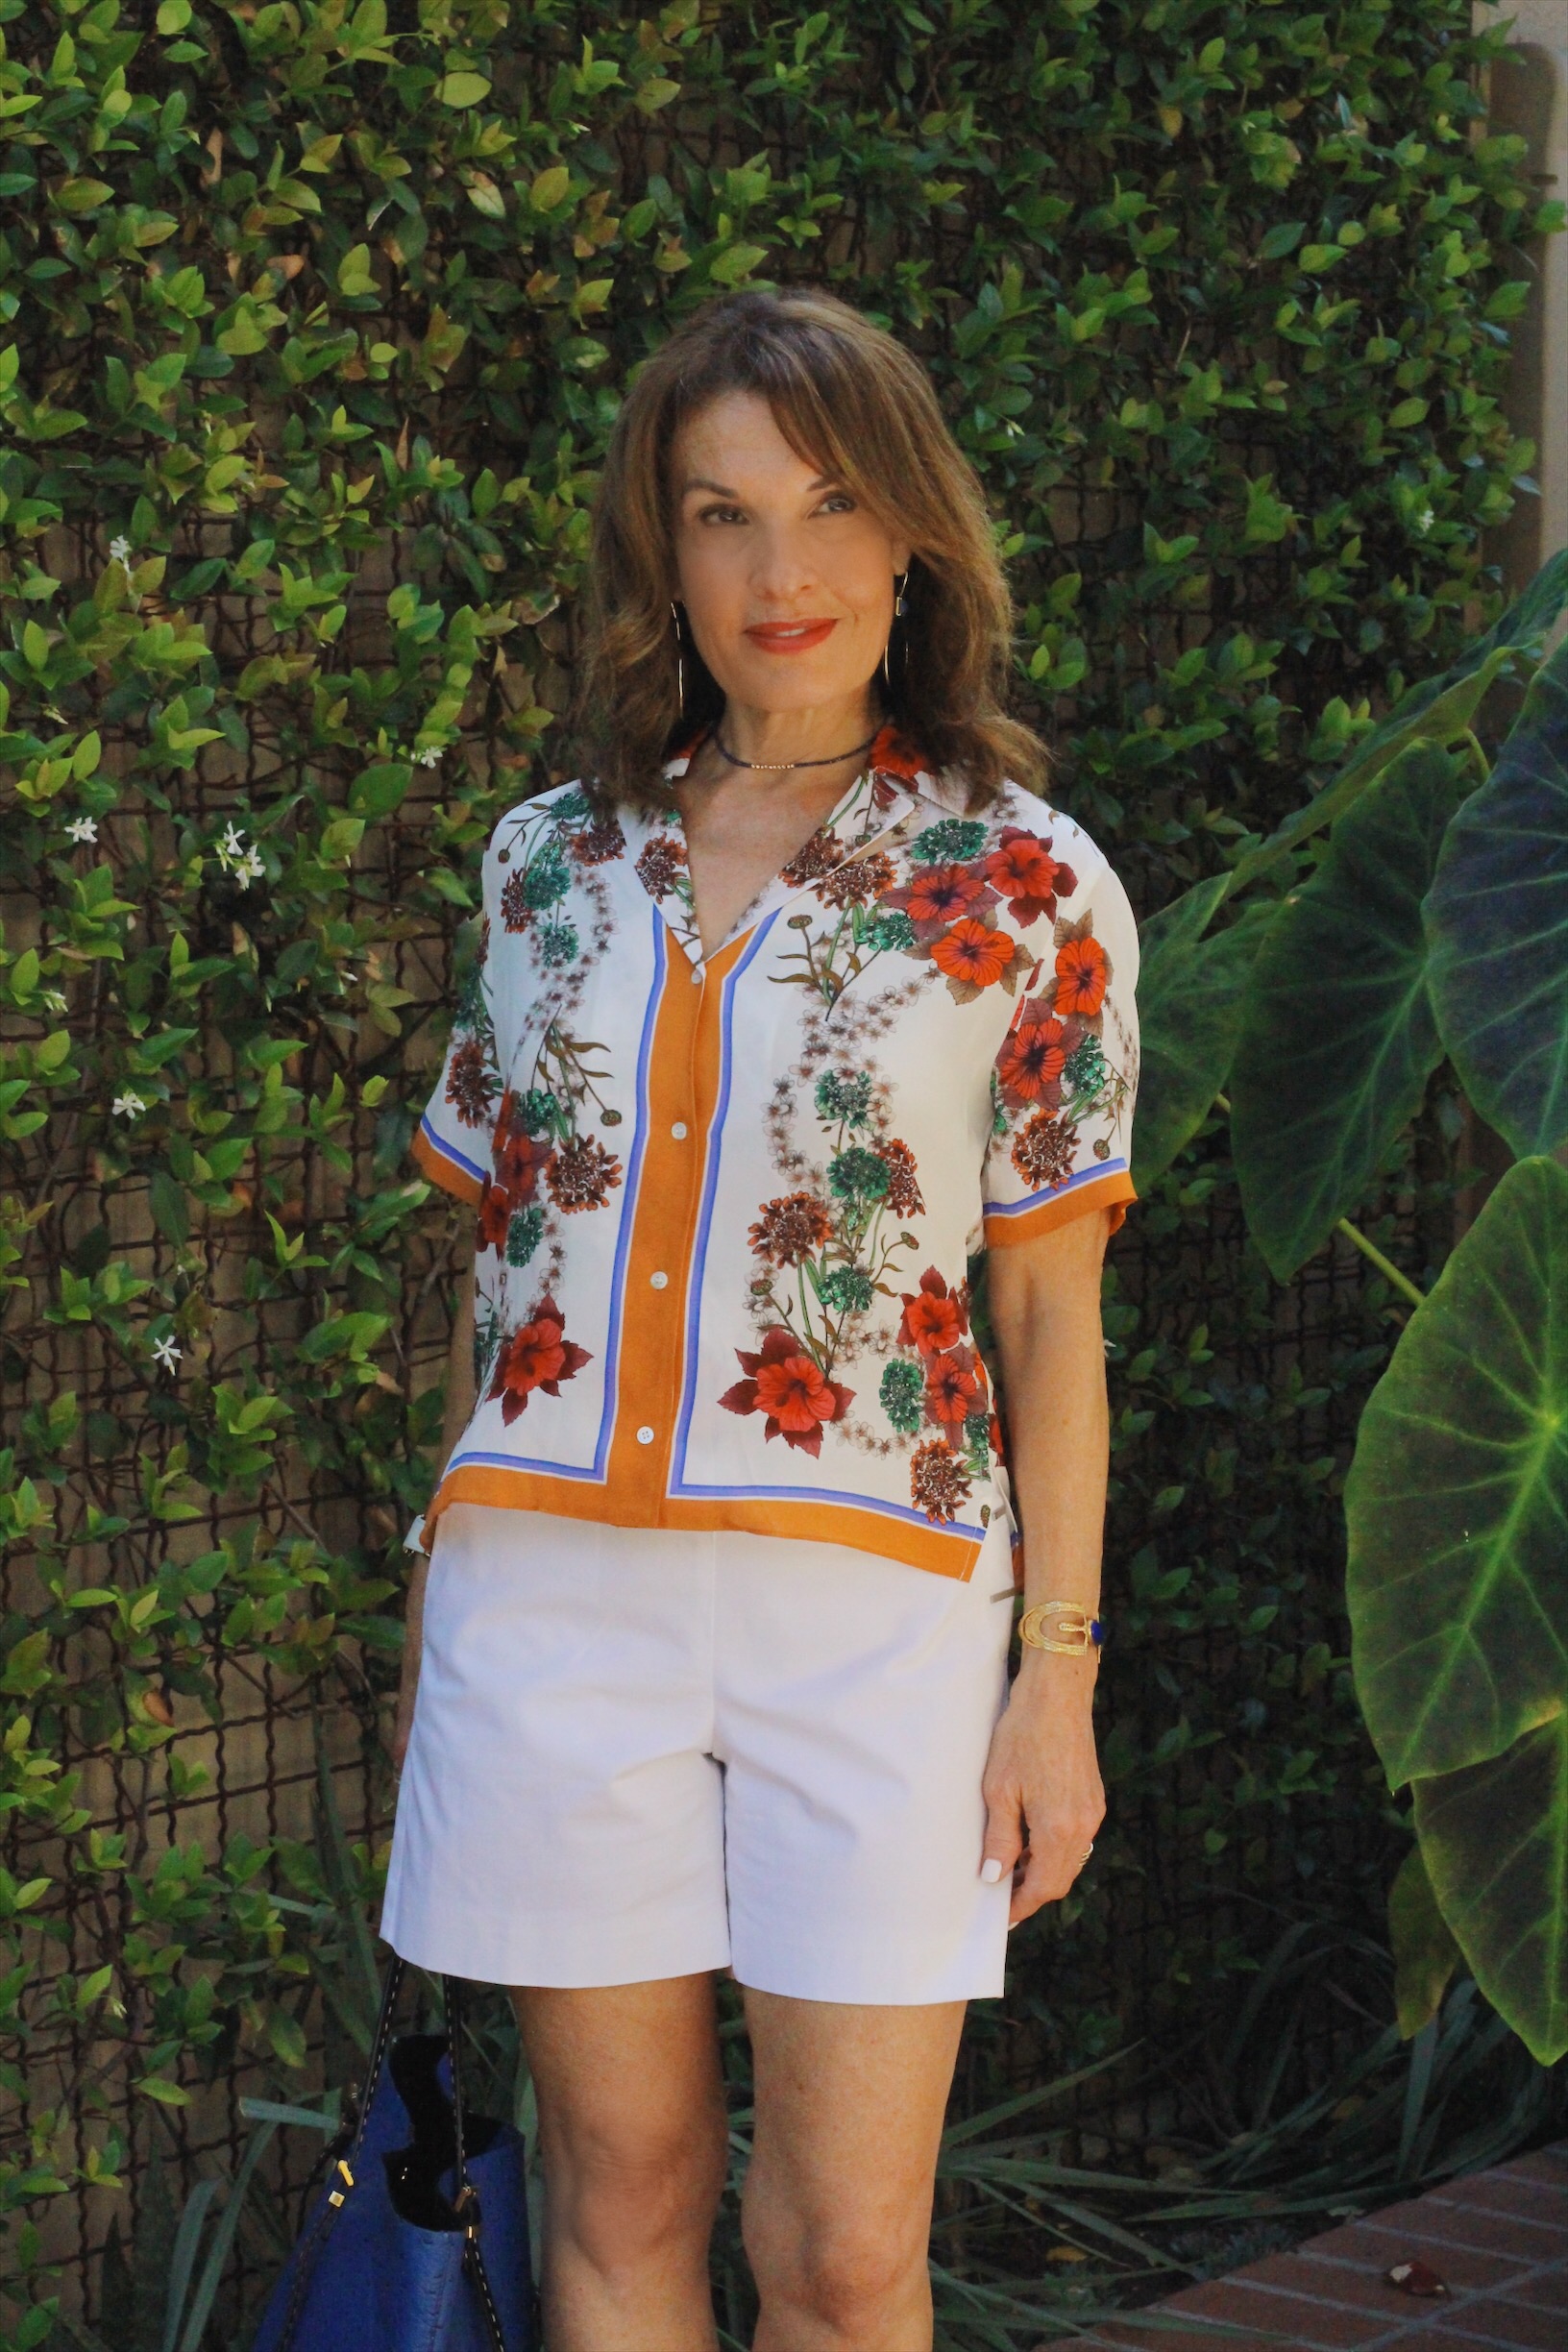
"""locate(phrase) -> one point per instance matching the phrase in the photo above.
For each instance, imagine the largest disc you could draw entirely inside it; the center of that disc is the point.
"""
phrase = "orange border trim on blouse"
(445, 1172)
(1114, 1191)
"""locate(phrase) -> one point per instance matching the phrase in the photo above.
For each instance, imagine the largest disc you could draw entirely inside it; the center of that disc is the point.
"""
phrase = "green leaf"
(1189, 1011)
(1422, 1946)
(1498, 922)
(167, 2094)
(1456, 1501)
(462, 89)
(1337, 1036)
(1494, 1837)
(737, 263)
(550, 188)
(82, 195)
(355, 275)
(1439, 709)
(379, 789)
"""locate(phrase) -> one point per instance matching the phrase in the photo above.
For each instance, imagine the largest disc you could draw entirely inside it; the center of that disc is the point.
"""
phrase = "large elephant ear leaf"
(1338, 1036)
(1456, 1501)
(1494, 1837)
(1189, 1011)
(1498, 922)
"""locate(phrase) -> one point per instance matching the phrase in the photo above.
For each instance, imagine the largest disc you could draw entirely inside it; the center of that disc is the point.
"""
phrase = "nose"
(782, 570)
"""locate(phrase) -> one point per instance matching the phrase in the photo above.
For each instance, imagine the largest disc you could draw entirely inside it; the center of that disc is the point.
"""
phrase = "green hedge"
(312, 321)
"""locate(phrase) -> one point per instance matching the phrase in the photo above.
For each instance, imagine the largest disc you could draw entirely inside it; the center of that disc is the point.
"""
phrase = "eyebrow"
(701, 481)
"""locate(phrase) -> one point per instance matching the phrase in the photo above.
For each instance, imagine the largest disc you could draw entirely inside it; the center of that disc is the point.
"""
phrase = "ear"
(902, 554)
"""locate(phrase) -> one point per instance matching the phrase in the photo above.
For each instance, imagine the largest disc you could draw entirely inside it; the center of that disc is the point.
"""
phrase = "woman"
(792, 1009)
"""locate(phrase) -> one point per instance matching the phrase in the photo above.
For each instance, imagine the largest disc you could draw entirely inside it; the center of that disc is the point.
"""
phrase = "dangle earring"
(680, 659)
(897, 615)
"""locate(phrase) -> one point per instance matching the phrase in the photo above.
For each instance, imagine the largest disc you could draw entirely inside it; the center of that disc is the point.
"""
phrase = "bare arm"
(455, 1420)
(1044, 1799)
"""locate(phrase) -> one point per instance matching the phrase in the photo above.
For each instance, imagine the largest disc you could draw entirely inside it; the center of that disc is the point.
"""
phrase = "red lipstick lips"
(790, 636)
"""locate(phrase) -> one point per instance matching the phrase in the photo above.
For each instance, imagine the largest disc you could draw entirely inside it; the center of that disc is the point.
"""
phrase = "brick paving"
(1498, 2239)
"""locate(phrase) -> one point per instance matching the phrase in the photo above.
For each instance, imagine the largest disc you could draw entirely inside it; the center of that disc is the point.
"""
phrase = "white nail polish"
(991, 1870)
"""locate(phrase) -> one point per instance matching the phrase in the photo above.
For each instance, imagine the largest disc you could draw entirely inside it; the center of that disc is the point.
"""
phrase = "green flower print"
(949, 842)
(903, 1394)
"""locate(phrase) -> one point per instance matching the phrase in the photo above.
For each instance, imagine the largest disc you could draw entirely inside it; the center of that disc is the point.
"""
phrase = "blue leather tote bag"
(418, 2239)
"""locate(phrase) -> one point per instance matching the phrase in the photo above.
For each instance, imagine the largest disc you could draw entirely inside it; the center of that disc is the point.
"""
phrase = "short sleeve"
(452, 1140)
(1066, 1079)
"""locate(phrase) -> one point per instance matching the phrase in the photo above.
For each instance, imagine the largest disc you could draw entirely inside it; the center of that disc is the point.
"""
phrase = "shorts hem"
(571, 1961)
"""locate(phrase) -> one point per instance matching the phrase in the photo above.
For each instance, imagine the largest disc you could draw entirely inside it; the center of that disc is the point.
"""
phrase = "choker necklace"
(725, 752)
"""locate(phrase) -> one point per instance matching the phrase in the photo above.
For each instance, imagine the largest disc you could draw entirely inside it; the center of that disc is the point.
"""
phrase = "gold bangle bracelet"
(1077, 1626)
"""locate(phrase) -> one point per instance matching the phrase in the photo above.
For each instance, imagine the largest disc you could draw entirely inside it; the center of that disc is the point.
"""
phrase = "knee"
(849, 2274)
(625, 2202)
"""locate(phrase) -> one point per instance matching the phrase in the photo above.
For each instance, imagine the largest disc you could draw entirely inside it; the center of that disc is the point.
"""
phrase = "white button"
(678, 1131)
(698, 978)
(644, 1437)
(659, 1281)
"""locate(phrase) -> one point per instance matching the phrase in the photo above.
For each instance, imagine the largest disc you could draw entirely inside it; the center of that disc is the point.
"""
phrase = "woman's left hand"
(1044, 1799)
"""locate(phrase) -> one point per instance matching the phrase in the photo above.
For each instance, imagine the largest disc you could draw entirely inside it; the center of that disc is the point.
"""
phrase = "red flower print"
(814, 858)
(939, 895)
(583, 1175)
(934, 1317)
(787, 1384)
(1082, 970)
(938, 1480)
(791, 1230)
(662, 864)
(857, 881)
(495, 1215)
(518, 1157)
(972, 954)
(598, 843)
(470, 1087)
(902, 1197)
(955, 1386)
(894, 755)
(1043, 1151)
(1021, 867)
(1033, 1057)
(515, 911)
(539, 1356)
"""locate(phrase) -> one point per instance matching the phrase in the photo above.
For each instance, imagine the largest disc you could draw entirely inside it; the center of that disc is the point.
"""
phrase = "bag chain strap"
(466, 2202)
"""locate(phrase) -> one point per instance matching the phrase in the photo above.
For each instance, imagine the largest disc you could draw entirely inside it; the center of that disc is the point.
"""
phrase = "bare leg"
(837, 2209)
(633, 2137)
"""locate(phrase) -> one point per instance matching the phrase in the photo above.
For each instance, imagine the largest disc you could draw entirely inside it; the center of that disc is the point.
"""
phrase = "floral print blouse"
(729, 1207)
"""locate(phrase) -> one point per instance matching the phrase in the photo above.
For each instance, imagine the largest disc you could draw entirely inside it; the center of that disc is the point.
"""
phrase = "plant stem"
(1386, 1267)
(1483, 767)
(1353, 1233)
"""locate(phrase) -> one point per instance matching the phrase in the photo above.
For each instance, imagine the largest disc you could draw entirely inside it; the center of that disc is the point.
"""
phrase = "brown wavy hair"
(854, 403)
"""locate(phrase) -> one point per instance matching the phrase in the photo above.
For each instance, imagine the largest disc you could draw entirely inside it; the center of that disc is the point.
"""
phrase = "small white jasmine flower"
(128, 1105)
(430, 757)
(54, 1000)
(231, 845)
(1425, 519)
(250, 869)
(119, 550)
(166, 1352)
(81, 829)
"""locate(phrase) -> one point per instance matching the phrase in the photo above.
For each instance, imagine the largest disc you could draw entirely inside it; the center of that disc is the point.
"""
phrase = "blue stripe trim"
(710, 1188)
(628, 1203)
(450, 1151)
(1089, 1175)
(902, 1511)
(519, 1461)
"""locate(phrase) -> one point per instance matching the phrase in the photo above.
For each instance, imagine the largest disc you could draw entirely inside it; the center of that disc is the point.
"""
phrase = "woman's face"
(786, 579)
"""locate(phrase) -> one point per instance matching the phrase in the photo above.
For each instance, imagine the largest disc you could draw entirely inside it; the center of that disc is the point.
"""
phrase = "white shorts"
(642, 1753)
